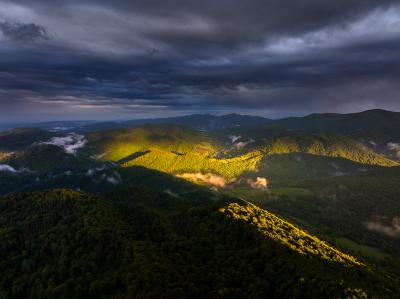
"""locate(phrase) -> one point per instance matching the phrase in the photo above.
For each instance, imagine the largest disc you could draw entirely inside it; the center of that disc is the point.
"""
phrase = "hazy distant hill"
(204, 122)
(378, 126)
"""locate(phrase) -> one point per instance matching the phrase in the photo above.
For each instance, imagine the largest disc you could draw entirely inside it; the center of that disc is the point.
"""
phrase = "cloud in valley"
(394, 148)
(392, 230)
(70, 143)
(259, 183)
(213, 180)
(7, 168)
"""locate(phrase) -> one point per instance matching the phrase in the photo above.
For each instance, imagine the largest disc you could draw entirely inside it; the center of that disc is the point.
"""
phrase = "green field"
(364, 250)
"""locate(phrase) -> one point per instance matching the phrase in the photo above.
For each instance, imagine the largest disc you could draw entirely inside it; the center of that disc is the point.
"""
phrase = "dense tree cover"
(180, 240)
(169, 148)
(193, 163)
(346, 205)
(376, 125)
(144, 244)
(178, 150)
(289, 235)
(46, 158)
(10, 182)
(20, 139)
(117, 144)
(346, 209)
(285, 169)
(329, 145)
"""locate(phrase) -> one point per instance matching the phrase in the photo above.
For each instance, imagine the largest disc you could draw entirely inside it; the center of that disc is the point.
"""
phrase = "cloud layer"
(125, 59)
(70, 143)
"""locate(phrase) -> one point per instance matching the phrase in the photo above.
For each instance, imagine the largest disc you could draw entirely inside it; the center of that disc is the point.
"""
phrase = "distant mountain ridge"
(377, 124)
(363, 124)
(203, 122)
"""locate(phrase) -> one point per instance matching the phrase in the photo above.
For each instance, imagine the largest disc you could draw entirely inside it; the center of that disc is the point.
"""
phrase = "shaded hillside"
(358, 212)
(294, 167)
(46, 158)
(18, 139)
(66, 244)
(114, 179)
(379, 126)
(204, 122)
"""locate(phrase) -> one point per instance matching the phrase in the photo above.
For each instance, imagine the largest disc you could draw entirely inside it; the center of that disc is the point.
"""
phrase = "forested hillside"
(67, 244)
(114, 213)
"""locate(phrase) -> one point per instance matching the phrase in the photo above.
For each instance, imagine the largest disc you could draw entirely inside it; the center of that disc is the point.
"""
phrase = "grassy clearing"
(364, 250)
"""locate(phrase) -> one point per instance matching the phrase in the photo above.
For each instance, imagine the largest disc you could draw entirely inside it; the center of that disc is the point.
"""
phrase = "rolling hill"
(119, 200)
(379, 126)
(45, 158)
(327, 145)
(180, 150)
(203, 122)
(169, 148)
(64, 243)
(21, 138)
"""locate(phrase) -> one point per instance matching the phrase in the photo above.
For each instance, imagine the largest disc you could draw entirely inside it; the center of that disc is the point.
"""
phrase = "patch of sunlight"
(285, 233)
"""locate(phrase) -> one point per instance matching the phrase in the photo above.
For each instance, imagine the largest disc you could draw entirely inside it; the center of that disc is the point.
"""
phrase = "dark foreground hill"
(143, 244)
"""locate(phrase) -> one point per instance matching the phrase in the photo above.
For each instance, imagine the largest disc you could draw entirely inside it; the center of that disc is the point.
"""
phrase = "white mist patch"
(395, 148)
(234, 138)
(114, 178)
(70, 143)
(259, 183)
(57, 129)
(101, 168)
(334, 165)
(171, 193)
(98, 157)
(90, 172)
(208, 178)
(8, 168)
(242, 144)
(392, 230)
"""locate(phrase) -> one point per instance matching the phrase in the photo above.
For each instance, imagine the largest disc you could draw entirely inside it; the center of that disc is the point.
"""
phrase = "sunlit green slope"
(358, 212)
(277, 229)
(176, 149)
(326, 145)
(169, 148)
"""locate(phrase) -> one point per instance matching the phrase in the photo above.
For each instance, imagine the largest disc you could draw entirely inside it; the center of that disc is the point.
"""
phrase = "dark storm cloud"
(22, 32)
(115, 58)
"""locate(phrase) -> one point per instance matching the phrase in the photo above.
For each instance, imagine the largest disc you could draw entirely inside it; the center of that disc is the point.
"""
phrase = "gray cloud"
(22, 32)
(133, 58)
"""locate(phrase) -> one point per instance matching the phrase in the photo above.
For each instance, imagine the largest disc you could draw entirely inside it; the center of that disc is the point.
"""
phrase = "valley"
(166, 204)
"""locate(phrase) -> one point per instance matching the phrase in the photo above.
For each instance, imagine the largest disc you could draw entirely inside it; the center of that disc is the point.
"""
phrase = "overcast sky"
(120, 59)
